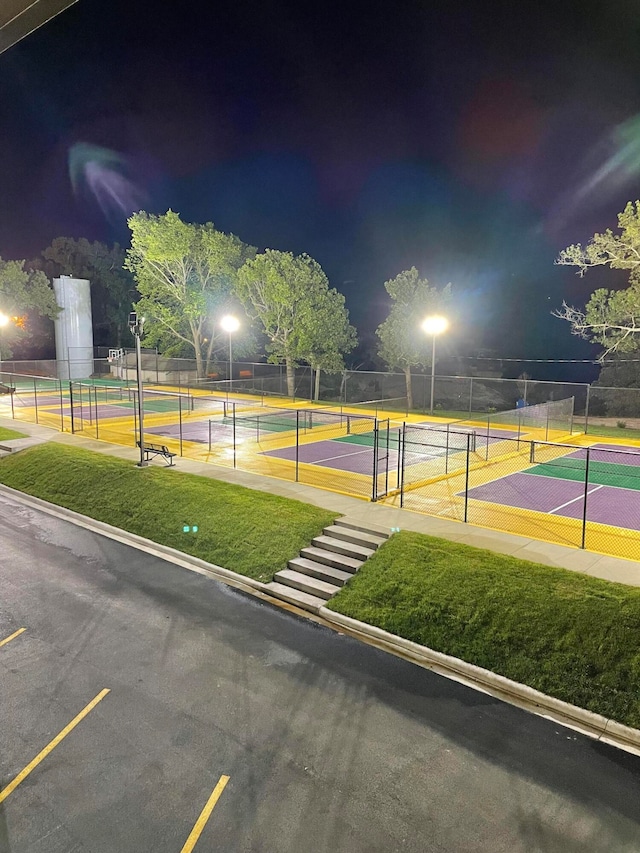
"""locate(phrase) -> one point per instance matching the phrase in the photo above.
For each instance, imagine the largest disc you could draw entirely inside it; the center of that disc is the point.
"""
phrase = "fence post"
(61, 406)
(376, 438)
(234, 434)
(404, 444)
(466, 477)
(180, 420)
(95, 399)
(210, 435)
(35, 398)
(297, 442)
(586, 411)
(586, 492)
(470, 395)
(70, 405)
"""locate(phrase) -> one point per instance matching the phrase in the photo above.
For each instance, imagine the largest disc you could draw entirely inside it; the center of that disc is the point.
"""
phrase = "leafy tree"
(403, 344)
(302, 317)
(611, 318)
(112, 287)
(23, 294)
(325, 334)
(186, 274)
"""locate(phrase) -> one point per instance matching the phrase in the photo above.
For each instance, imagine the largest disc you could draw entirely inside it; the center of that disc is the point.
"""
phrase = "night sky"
(473, 140)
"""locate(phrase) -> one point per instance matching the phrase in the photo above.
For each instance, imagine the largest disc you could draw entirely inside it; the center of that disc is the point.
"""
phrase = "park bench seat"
(151, 450)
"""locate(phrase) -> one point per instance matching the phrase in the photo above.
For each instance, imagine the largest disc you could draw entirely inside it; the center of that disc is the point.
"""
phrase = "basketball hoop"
(115, 355)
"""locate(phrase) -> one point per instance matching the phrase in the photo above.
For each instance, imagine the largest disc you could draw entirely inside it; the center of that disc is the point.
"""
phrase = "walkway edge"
(586, 722)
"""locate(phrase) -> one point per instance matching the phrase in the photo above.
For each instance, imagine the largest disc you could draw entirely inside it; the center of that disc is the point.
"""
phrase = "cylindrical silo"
(74, 328)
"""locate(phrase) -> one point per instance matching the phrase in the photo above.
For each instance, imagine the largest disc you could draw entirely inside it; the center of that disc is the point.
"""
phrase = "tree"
(186, 275)
(611, 318)
(325, 334)
(403, 344)
(23, 293)
(112, 287)
(302, 317)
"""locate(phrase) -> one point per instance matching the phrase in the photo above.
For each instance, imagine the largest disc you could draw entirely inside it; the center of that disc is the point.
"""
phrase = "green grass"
(566, 634)
(253, 533)
(8, 434)
(612, 431)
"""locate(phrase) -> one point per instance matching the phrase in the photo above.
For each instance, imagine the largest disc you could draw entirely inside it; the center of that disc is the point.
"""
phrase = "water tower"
(74, 328)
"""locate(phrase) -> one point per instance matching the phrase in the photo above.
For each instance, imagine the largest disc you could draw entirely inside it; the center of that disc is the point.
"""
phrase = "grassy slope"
(250, 532)
(569, 635)
(8, 434)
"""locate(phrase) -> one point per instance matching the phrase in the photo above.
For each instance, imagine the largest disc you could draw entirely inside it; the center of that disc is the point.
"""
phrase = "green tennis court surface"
(600, 473)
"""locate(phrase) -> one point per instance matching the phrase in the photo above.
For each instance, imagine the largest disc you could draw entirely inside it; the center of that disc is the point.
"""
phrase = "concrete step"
(320, 571)
(365, 527)
(330, 558)
(296, 596)
(356, 537)
(357, 552)
(307, 584)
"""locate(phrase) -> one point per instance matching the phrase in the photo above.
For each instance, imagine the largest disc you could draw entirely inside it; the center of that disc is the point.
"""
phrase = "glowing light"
(230, 324)
(3, 319)
(435, 325)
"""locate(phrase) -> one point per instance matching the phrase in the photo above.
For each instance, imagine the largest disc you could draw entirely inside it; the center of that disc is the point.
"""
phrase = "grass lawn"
(566, 634)
(250, 532)
(613, 431)
(8, 434)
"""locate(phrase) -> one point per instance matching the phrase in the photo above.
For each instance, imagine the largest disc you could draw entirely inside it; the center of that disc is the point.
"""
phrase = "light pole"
(230, 324)
(136, 325)
(434, 326)
(3, 322)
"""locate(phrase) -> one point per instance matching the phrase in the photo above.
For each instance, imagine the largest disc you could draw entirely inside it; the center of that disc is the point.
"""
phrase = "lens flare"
(102, 175)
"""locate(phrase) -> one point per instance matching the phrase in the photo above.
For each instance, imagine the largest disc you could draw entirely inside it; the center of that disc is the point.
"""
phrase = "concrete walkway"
(574, 559)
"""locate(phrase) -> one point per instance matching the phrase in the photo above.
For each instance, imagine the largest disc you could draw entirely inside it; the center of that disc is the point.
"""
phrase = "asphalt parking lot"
(145, 708)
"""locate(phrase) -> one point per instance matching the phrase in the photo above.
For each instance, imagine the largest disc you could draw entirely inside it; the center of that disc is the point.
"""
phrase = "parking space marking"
(51, 746)
(205, 814)
(12, 636)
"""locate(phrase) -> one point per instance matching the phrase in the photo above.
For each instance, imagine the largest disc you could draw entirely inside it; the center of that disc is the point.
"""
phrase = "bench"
(6, 389)
(151, 450)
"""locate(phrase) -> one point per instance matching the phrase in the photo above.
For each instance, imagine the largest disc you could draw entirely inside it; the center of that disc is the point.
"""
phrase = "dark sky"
(471, 139)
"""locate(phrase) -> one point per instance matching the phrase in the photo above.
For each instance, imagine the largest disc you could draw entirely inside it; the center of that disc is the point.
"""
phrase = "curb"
(586, 722)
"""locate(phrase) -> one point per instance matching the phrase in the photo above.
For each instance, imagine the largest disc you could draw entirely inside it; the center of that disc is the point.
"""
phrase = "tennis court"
(608, 491)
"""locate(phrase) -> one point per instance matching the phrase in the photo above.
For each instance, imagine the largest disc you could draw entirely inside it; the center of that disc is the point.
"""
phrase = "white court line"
(340, 456)
(573, 500)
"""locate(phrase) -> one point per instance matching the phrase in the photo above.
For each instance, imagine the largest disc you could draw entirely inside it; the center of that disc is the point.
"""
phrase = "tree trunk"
(291, 377)
(316, 390)
(407, 376)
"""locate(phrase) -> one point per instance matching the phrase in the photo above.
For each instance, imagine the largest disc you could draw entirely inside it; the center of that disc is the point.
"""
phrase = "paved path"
(329, 745)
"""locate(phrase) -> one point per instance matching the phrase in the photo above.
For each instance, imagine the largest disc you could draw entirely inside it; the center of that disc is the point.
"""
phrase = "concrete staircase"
(311, 579)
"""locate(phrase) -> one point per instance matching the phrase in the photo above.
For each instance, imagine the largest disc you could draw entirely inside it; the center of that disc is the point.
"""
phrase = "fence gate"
(381, 459)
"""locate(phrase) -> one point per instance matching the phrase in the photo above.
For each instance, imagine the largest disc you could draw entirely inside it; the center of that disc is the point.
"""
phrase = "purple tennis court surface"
(618, 507)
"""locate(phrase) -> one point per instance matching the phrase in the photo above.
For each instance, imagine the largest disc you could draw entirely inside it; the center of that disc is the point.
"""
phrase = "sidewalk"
(574, 559)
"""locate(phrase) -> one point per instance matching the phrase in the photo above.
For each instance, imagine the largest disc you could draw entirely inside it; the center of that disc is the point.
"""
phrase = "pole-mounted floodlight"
(230, 324)
(136, 324)
(434, 326)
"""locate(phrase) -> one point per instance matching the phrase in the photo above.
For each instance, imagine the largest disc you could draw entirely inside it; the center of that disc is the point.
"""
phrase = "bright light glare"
(435, 325)
(3, 319)
(230, 323)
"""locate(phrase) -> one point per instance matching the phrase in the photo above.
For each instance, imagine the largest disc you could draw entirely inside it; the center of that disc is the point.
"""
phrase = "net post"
(532, 453)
